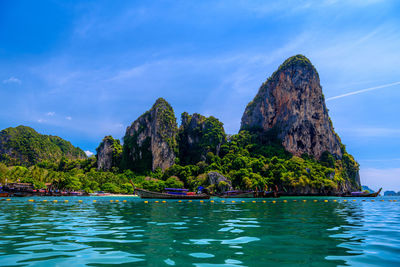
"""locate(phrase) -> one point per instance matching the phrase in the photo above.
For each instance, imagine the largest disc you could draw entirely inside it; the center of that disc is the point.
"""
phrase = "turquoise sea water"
(360, 233)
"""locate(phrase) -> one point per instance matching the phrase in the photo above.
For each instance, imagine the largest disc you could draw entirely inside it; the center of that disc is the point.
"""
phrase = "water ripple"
(158, 234)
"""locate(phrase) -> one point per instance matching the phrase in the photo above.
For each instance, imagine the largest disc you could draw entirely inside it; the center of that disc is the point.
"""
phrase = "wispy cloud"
(88, 153)
(68, 118)
(363, 91)
(51, 113)
(12, 80)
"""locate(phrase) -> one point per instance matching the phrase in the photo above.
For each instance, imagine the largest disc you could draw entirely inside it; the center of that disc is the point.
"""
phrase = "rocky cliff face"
(291, 105)
(199, 135)
(219, 182)
(108, 154)
(150, 142)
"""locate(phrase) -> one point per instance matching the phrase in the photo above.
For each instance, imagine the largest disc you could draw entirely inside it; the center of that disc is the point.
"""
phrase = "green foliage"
(139, 158)
(167, 121)
(115, 147)
(328, 159)
(251, 159)
(294, 61)
(27, 147)
(131, 150)
(199, 135)
(173, 182)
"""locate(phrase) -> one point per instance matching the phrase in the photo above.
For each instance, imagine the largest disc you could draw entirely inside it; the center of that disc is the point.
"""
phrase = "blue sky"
(85, 69)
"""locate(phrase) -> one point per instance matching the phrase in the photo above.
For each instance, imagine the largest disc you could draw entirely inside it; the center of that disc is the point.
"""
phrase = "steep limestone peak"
(291, 104)
(150, 142)
(108, 153)
(161, 102)
(296, 62)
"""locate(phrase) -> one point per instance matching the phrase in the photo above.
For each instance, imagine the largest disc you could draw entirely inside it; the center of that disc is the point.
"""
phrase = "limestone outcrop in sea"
(108, 153)
(291, 105)
(286, 139)
(150, 142)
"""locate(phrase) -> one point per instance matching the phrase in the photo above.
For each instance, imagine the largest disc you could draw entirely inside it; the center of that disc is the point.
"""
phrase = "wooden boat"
(21, 194)
(142, 193)
(237, 194)
(362, 194)
(4, 194)
(266, 194)
(249, 194)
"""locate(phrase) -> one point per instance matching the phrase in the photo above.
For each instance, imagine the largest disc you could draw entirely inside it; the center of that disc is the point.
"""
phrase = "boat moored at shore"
(142, 193)
(363, 194)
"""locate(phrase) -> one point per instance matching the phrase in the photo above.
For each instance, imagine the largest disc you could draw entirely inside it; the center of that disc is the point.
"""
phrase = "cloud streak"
(12, 80)
(88, 153)
(363, 91)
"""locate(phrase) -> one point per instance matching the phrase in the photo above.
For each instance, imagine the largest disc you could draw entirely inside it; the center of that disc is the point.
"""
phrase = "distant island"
(286, 140)
(391, 193)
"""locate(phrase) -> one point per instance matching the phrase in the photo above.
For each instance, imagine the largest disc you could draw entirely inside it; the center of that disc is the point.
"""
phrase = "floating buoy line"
(224, 201)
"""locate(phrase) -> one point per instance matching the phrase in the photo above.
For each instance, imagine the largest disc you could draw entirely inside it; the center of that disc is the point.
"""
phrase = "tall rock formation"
(109, 153)
(22, 145)
(150, 142)
(291, 105)
(199, 135)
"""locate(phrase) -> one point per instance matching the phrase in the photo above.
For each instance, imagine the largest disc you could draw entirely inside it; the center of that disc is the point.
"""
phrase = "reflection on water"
(199, 234)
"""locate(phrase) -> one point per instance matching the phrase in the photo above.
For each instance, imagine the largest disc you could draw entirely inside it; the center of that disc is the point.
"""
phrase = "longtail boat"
(249, 194)
(363, 194)
(142, 193)
(266, 194)
(4, 194)
(237, 194)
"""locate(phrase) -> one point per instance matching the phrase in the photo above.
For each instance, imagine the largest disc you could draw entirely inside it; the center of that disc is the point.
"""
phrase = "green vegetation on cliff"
(155, 154)
(150, 138)
(22, 145)
(197, 136)
(109, 153)
(252, 161)
(249, 160)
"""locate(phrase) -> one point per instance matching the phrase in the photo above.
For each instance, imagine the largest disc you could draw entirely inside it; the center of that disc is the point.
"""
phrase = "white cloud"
(132, 72)
(88, 153)
(51, 113)
(41, 120)
(388, 179)
(12, 80)
(363, 90)
(68, 118)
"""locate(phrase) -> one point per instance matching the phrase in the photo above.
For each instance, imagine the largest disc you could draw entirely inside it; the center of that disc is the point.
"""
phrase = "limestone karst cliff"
(291, 104)
(109, 153)
(199, 135)
(150, 142)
